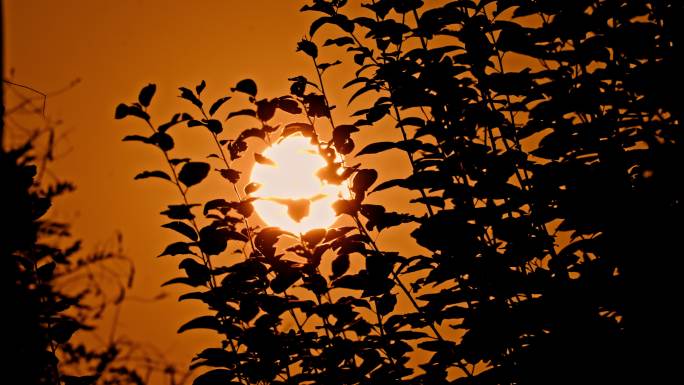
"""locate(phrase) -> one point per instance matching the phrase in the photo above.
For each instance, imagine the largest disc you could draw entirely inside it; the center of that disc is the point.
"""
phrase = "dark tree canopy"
(550, 197)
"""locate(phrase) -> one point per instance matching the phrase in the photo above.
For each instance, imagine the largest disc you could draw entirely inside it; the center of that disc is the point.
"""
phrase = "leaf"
(63, 328)
(377, 217)
(266, 109)
(325, 66)
(284, 279)
(146, 94)
(197, 272)
(297, 209)
(123, 111)
(182, 228)
(46, 271)
(340, 42)
(336, 19)
(377, 147)
(436, 345)
(200, 87)
(342, 138)
(367, 87)
(245, 208)
(233, 176)
(215, 377)
(177, 118)
(162, 140)
(363, 180)
(199, 295)
(217, 104)
(314, 237)
(153, 174)
(316, 105)
(252, 187)
(308, 47)
(193, 173)
(248, 310)
(214, 126)
(289, 105)
(340, 265)
(346, 206)
(305, 129)
(137, 138)
(213, 241)
(315, 283)
(177, 248)
(247, 86)
(266, 239)
(430, 200)
(187, 94)
(215, 204)
(181, 280)
(245, 112)
(386, 303)
(237, 236)
(203, 322)
(179, 211)
(353, 282)
(177, 161)
(263, 160)
(298, 86)
(337, 233)
(251, 132)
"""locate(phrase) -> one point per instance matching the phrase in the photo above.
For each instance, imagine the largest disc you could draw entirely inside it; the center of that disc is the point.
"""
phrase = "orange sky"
(116, 47)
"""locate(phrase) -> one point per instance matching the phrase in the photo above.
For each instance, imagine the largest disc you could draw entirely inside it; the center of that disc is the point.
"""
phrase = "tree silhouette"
(55, 294)
(550, 197)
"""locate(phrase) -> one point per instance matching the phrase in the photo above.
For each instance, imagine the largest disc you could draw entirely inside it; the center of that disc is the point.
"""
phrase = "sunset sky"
(505, 174)
(115, 48)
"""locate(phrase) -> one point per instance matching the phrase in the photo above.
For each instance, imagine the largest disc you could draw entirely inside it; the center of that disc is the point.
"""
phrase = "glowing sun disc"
(292, 180)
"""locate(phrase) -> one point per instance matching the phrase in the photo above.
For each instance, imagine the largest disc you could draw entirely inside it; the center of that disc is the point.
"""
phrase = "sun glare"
(291, 196)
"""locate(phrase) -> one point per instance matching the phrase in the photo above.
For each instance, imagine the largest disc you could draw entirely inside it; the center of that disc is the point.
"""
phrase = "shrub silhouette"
(550, 196)
(54, 292)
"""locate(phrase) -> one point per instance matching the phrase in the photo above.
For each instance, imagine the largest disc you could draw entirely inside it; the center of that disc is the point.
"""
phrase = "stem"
(2, 76)
(325, 97)
(205, 258)
(382, 331)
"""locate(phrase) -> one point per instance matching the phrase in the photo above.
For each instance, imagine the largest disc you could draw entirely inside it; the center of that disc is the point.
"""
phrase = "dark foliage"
(42, 316)
(550, 193)
(57, 297)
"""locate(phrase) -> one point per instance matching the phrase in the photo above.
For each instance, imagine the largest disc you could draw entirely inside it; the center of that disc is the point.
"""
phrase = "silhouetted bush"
(55, 294)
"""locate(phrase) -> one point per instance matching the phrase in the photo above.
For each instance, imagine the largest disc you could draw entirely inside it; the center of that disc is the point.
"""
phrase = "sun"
(290, 195)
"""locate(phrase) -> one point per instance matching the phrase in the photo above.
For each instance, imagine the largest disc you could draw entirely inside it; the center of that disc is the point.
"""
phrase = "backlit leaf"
(203, 322)
(263, 160)
(179, 211)
(247, 86)
(217, 104)
(153, 174)
(187, 94)
(252, 187)
(146, 94)
(182, 228)
(193, 173)
(177, 248)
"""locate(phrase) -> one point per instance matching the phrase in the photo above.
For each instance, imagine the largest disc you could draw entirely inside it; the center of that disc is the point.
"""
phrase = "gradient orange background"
(117, 47)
